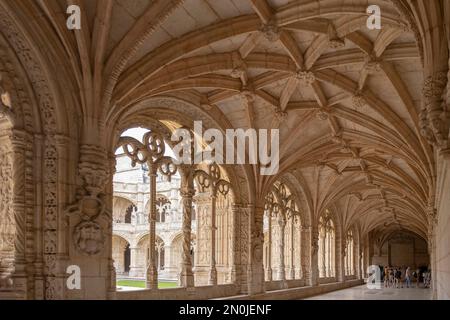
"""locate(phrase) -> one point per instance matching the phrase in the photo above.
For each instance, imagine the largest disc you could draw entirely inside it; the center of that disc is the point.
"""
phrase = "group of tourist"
(398, 277)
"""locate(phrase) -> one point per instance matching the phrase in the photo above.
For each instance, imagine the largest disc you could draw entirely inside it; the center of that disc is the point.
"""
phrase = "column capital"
(201, 197)
(187, 192)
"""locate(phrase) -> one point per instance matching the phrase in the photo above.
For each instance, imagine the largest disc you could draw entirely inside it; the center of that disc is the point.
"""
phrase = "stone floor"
(363, 293)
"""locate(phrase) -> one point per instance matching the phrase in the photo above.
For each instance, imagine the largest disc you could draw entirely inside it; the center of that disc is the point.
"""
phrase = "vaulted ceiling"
(345, 98)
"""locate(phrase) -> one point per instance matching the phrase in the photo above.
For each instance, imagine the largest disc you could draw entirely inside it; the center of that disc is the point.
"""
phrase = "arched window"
(349, 254)
(121, 255)
(162, 208)
(122, 210)
(160, 253)
(281, 218)
(326, 246)
(129, 213)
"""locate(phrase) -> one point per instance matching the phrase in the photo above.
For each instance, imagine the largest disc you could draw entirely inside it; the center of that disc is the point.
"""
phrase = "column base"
(291, 273)
(152, 278)
(234, 275)
(281, 275)
(269, 274)
(186, 278)
(212, 281)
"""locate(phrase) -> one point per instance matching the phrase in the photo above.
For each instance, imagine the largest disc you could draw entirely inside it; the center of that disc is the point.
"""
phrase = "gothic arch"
(37, 129)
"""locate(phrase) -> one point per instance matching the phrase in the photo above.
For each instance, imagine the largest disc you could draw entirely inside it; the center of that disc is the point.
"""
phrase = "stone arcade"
(364, 149)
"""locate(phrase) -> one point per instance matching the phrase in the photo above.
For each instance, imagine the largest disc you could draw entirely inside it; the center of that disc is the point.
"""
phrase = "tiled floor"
(363, 293)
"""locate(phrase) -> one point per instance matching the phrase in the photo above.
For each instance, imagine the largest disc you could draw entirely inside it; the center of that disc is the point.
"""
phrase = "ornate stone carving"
(35, 73)
(187, 193)
(358, 100)
(314, 243)
(5, 104)
(281, 115)
(7, 221)
(306, 76)
(6, 203)
(434, 118)
(88, 236)
(270, 32)
(92, 169)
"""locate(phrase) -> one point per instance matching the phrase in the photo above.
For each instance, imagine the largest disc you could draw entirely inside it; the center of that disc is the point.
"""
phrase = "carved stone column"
(315, 257)
(281, 244)
(109, 195)
(432, 225)
(306, 254)
(90, 222)
(213, 271)
(187, 193)
(244, 248)
(12, 214)
(329, 256)
(18, 227)
(202, 256)
(291, 249)
(255, 272)
(152, 269)
(341, 258)
(269, 273)
(235, 244)
(323, 266)
(357, 262)
(134, 268)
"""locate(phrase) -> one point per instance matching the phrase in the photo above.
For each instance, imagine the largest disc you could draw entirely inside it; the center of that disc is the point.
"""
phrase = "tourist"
(408, 277)
(386, 276)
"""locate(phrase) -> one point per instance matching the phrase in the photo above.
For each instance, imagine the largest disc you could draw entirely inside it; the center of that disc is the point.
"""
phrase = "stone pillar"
(202, 255)
(367, 252)
(213, 270)
(298, 252)
(329, 256)
(315, 257)
(255, 272)
(269, 272)
(291, 261)
(17, 212)
(186, 275)
(432, 225)
(323, 270)
(358, 260)
(352, 260)
(152, 269)
(281, 244)
(134, 269)
(235, 258)
(89, 220)
(306, 254)
(341, 258)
